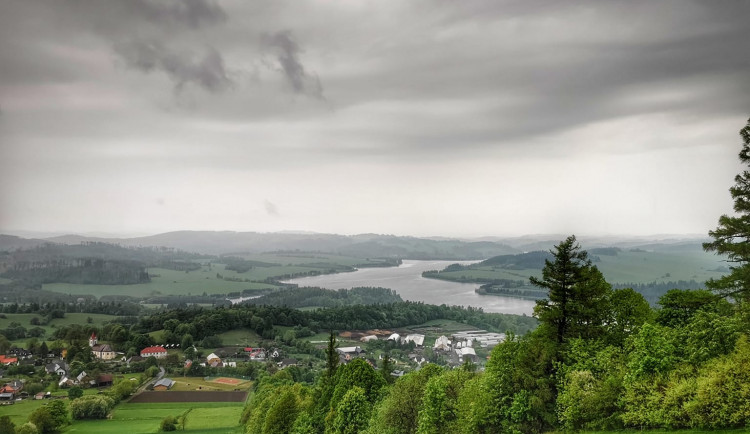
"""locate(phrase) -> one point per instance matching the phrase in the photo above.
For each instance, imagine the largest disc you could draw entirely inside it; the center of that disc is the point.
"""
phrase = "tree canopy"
(732, 236)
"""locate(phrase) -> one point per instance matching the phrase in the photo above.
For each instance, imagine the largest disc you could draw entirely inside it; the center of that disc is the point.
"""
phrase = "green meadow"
(628, 266)
(206, 280)
(24, 319)
(211, 417)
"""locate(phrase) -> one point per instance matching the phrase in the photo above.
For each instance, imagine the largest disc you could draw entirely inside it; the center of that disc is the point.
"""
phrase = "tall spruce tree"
(578, 294)
(732, 236)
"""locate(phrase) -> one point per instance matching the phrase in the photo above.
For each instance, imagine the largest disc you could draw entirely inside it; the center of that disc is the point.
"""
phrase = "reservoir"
(408, 282)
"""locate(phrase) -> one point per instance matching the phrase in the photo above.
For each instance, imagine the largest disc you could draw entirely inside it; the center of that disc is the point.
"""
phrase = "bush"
(169, 423)
(91, 407)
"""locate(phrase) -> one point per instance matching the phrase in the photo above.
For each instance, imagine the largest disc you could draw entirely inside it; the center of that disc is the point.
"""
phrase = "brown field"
(189, 396)
(225, 380)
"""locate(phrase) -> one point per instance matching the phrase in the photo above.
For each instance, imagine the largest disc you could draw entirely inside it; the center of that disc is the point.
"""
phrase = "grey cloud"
(191, 13)
(287, 54)
(206, 71)
(271, 208)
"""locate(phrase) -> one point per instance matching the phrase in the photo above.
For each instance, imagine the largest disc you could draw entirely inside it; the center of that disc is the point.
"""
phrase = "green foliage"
(722, 398)
(628, 310)
(730, 237)
(398, 412)
(678, 306)
(357, 373)
(44, 420)
(91, 407)
(516, 392)
(75, 392)
(169, 423)
(282, 414)
(27, 428)
(578, 294)
(7, 426)
(652, 351)
(352, 413)
(439, 412)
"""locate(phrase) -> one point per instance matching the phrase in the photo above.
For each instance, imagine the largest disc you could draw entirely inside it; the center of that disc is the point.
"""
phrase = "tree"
(332, 356)
(577, 293)
(7, 425)
(169, 423)
(75, 392)
(352, 413)
(732, 236)
(43, 419)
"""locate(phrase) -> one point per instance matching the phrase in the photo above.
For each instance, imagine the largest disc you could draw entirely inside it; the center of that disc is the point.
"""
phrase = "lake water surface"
(408, 282)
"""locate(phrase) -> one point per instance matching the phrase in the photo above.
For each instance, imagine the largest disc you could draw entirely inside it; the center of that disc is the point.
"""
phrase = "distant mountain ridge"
(362, 245)
(227, 242)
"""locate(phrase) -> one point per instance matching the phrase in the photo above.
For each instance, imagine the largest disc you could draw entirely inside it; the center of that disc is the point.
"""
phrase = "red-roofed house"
(158, 351)
(8, 360)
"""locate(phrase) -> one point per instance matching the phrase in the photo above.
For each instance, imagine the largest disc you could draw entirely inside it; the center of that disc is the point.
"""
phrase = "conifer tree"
(732, 236)
(577, 303)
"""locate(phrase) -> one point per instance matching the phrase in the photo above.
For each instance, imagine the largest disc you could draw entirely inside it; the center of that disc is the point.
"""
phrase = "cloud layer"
(426, 117)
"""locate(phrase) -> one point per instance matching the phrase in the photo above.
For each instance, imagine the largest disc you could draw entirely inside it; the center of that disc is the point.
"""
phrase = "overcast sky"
(454, 118)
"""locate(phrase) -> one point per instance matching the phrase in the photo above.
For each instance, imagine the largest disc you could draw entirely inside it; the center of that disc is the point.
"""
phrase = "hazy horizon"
(427, 118)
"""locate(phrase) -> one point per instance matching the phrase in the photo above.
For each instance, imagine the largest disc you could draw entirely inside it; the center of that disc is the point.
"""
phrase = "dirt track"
(188, 396)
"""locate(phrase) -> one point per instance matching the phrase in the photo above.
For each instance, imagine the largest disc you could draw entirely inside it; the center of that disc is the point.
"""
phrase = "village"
(407, 351)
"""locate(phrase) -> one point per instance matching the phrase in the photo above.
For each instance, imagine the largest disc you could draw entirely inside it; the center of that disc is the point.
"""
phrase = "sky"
(426, 118)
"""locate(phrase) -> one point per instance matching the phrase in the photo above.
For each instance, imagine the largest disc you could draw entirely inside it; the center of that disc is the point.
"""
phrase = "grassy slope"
(70, 318)
(626, 267)
(171, 282)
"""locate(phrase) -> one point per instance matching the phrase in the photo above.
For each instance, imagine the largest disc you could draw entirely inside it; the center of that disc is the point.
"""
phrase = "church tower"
(92, 340)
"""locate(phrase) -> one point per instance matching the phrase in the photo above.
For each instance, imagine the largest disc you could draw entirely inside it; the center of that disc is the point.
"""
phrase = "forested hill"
(90, 262)
(362, 246)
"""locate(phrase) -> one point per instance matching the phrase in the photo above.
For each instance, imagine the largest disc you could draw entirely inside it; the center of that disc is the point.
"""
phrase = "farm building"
(164, 384)
(442, 344)
(157, 351)
(417, 339)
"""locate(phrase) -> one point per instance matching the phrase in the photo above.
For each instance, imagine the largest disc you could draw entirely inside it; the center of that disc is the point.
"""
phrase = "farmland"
(628, 266)
(214, 278)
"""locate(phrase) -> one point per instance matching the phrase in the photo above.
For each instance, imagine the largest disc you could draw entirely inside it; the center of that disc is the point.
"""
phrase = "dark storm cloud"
(287, 53)
(206, 70)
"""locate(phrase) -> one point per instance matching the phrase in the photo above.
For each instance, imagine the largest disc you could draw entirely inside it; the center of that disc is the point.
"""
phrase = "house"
(442, 344)
(164, 384)
(11, 389)
(20, 353)
(100, 351)
(8, 360)
(133, 359)
(104, 380)
(288, 362)
(81, 377)
(349, 353)
(417, 339)
(256, 353)
(156, 351)
(214, 361)
(466, 354)
(57, 367)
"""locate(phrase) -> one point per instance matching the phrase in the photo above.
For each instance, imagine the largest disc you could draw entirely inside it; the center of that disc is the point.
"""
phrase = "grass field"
(24, 319)
(205, 280)
(198, 383)
(241, 337)
(20, 411)
(628, 266)
(145, 418)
